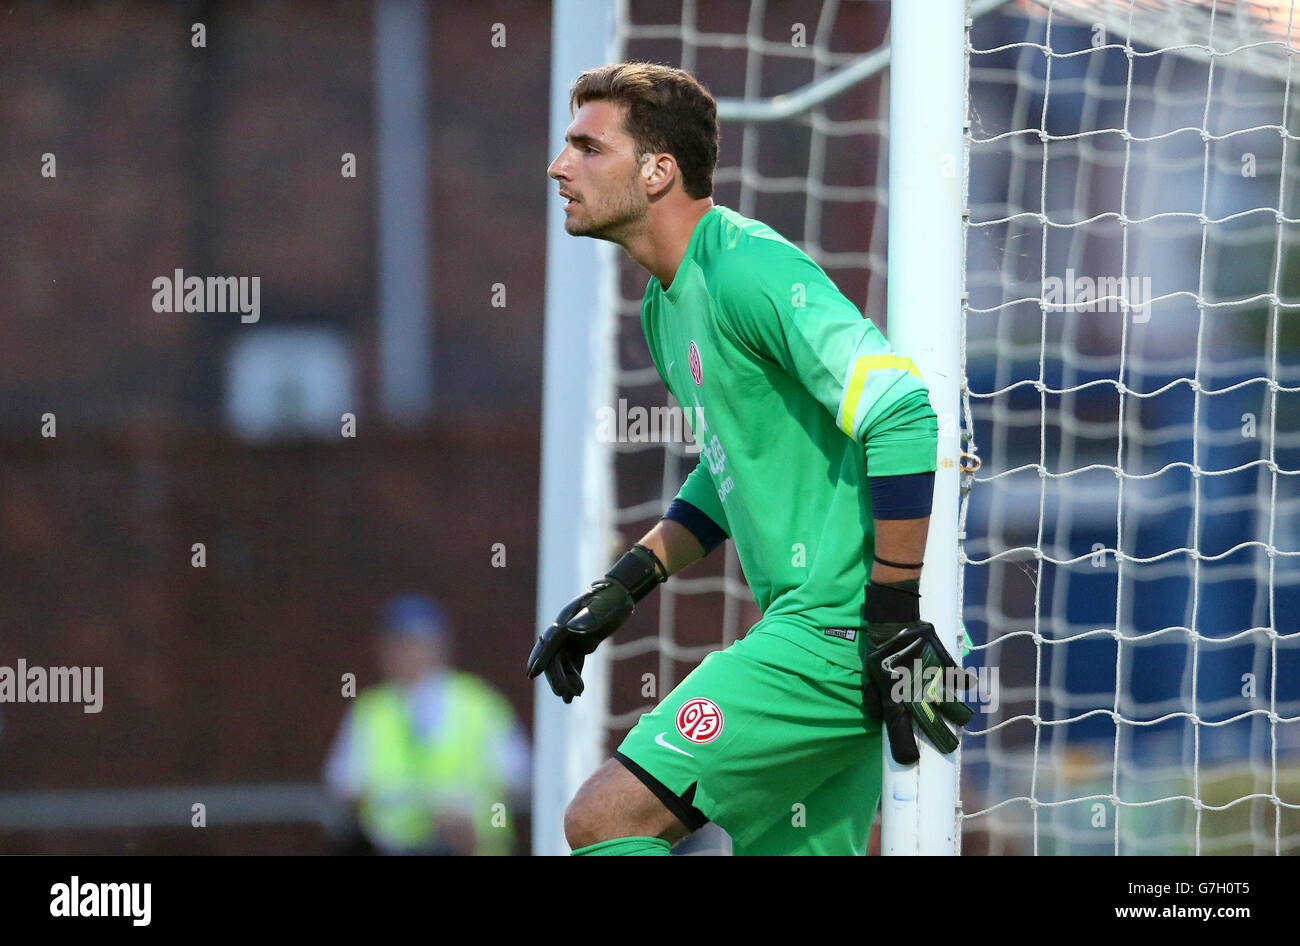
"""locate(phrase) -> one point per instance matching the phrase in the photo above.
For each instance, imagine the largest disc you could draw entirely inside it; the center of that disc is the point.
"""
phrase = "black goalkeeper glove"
(903, 646)
(591, 617)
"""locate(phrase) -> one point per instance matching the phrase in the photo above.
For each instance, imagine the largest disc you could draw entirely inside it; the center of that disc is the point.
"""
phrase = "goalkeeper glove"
(903, 646)
(591, 617)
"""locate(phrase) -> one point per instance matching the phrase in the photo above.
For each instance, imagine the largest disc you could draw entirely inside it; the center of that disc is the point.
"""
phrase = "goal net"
(1131, 556)
(1131, 365)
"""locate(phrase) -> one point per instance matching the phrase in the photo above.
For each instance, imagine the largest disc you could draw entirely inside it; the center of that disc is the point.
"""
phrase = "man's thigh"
(750, 735)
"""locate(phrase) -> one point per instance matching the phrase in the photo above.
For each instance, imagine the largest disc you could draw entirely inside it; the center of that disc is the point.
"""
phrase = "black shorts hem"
(679, 805)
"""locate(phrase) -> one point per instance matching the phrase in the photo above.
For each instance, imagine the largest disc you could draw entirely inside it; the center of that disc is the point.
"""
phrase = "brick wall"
(226, 160)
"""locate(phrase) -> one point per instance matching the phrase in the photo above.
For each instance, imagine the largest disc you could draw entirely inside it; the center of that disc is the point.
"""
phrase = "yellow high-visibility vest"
(407, 779)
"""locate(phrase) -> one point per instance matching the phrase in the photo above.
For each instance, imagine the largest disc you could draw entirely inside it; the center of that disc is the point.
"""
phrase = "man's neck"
(660, 247)
(428, 678)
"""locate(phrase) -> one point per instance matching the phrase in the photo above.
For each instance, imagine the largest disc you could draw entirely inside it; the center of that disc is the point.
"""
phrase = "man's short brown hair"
(668, 111)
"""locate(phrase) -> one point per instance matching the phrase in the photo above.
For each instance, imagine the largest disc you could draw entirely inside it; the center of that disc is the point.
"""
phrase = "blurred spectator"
(432, 760)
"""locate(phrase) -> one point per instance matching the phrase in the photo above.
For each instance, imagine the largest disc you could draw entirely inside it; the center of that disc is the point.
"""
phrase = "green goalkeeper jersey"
(794, 399)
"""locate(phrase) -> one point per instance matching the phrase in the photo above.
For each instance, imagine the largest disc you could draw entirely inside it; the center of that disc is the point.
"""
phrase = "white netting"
(1124, 592)
(1134, 560)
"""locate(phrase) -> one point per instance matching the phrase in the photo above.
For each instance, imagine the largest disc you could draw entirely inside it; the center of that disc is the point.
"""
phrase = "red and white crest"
(700, 720)
(697, 370)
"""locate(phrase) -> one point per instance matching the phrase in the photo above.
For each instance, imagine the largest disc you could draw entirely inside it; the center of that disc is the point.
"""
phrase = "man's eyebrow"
(581, 139)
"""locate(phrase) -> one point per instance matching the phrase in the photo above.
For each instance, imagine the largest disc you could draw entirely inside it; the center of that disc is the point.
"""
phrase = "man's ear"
(658, 171)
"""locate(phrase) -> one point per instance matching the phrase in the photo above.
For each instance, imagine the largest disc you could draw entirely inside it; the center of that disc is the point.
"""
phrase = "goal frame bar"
(927, 201)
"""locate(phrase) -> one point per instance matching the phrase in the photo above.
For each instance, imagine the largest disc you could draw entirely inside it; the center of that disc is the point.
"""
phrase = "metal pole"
(577, 497)
(926, 200)
(401, 68)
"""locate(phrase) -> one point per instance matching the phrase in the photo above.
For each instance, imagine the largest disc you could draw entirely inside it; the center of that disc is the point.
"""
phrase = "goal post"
(575, 522)
(927, 196)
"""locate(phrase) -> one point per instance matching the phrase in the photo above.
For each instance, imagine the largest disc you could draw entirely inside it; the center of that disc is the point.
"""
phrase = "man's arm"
(673, 544)
(903, 644)
(598, 612)
(901, 541)
(822, 340)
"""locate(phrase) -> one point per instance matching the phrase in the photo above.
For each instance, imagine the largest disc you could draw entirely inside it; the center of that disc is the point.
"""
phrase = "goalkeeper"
(818, 449)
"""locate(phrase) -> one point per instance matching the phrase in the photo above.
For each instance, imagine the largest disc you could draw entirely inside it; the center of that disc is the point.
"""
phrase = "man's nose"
(558, 168)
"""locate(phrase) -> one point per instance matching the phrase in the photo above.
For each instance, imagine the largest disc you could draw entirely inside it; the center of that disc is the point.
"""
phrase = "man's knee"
(581, 823)
(590, 817)
(612, 804)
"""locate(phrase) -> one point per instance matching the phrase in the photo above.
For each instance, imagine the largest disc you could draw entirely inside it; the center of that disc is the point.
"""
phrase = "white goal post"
(927, 195)
(575, 532)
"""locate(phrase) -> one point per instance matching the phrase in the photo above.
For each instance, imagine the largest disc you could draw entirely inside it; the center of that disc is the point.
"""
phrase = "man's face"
(404, 658)
(598, 170)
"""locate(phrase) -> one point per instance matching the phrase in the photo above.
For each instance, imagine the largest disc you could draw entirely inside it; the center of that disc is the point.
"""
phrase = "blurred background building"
(223, 683)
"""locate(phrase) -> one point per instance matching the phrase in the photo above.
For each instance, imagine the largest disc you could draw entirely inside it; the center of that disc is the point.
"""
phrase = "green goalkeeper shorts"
(769, 741)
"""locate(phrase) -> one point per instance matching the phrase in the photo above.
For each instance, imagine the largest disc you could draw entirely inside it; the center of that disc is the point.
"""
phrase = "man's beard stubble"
(624, 218)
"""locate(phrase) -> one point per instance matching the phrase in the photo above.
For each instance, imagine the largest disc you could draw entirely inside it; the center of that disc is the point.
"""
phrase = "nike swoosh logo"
(660, 740)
